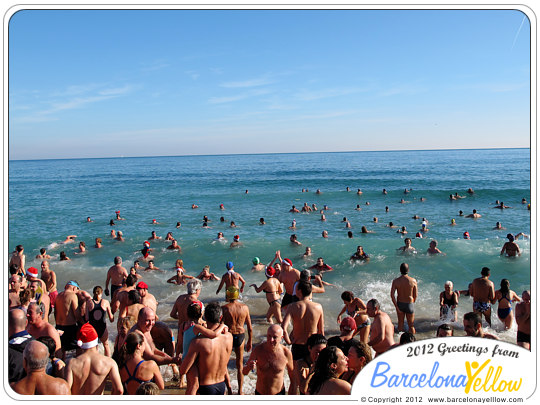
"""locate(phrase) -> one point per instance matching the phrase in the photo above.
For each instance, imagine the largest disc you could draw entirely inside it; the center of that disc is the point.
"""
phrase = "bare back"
(213, 357)
(66, 304)
(406, 288)
(289, 278)
(88, 373)
(307, 319)
(482, 290)
(234, 316)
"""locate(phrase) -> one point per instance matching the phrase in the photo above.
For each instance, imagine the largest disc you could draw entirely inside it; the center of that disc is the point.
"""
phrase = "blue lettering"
(413, 377)
(393, 381)
(381, 374)
(421, 381)
(463, 382)
(433, 372)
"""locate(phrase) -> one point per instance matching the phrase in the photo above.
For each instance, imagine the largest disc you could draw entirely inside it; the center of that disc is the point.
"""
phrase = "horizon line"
(266, 153)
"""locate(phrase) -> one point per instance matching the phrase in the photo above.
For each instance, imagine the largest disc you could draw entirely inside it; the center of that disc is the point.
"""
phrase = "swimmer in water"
(98, 243)
(111, 223)
(119, 236)
(63, 256)
(118, 217)
(358, 208)
(384, 191)
(88, 219)
(365, 230)
(375, 219)
(174, 246)
(69, 239)
(324, 234)
(261, 221)
(466, 235)
(205, 275)
(178, 225)
(511, 248)
(407, 248)
(293, 224)
(151, 266)
(169, 236)
(307, 253)
(433, 249)
(294, 209)
(470, 191)
(474, 215)
(498, 225)
(453, 222)
(323, 217)
(221, 207)
(154, 236)
(232, 225)
(502, 206)
(194, 206)
(294, 240)
(236, 242)
(82, 248)
(403, 230)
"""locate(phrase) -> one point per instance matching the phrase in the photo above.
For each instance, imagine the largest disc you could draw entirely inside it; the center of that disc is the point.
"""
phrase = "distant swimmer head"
(232, 293)
(236, 238)
(146, 244)
(256, 260)
(466, 235)
(229, 265)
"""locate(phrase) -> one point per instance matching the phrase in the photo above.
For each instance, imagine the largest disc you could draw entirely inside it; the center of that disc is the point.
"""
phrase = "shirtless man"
(360, 255)
(288, 276)
(37, 326)
(382, 329)
(179, 309)
(87, 373)
(18, 258)
(271, 359)
(151, 266)
(231, 278)
(407, 248)
(179, 278)
(472, 324)
(235, 315)
(511, 248)
(483, 292)
(433, 249)
(321, 266)
(205, 275)
(147, 299)
(407, 292)
(133, 306)
(474, 215)
(43, 254)
(523, 320)
(174, 246)
(257, 265)
(116, 275)
(119, 301)
(37, 382)
(145, 323)
(236, 242)
(294, 209)
(49, 277)
(307, 318)
(42, 297)
(212, 355)
(14, 290)
(66, 314)
(98, 244)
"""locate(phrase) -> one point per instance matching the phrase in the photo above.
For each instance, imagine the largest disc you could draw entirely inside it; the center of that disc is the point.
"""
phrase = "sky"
(106, 83)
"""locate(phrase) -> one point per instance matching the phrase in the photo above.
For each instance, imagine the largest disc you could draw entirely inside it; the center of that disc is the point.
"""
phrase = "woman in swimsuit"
(96, 309)
(123, 326)
(355, 308)
(272, 288)
(505, 296)
(330, 364)
(448, 301)
(134, 370)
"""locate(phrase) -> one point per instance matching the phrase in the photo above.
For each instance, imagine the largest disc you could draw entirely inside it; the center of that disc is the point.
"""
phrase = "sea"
(50, 199)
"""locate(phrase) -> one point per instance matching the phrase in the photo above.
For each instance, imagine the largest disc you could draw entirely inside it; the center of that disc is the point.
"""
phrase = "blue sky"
(101, 83)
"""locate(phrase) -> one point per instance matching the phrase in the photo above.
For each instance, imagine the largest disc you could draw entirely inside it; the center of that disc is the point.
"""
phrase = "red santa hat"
(87, 337)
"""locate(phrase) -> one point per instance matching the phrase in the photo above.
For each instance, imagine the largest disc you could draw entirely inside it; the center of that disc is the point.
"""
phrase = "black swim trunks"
(288, 299)
(407, 307)
(238, 339)
(523, 337)
(114, 288)
(299, 351)
(212, 389)
(69, 337)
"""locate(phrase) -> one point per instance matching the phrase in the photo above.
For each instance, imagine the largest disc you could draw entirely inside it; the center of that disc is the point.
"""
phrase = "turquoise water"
(49, 199)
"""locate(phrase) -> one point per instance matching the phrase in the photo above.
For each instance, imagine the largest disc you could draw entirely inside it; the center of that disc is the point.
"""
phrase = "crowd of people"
(64, 357)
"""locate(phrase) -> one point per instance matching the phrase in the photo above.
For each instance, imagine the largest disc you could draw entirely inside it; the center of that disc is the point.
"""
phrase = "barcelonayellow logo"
(453, 366)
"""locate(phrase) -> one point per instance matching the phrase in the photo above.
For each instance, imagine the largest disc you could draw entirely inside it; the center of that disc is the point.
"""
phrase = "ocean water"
(49, 199)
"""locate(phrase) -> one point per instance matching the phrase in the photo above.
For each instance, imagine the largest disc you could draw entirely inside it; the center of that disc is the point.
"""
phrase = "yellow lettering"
(471, 376)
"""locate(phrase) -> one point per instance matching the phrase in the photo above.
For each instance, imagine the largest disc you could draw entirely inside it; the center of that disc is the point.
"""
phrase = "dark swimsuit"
(98, 323)
(212, 389)
(504, 312)
(288, 299)
(69, 338)
(132, 377)
(282, 392)
(299, 351)
(238, 339)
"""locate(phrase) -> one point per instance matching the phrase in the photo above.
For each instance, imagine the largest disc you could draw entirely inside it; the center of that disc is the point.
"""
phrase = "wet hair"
(404, 268)
(133, 340)
(179, 263)
(81, 243)
(63, 255)
(117, 260)
(347, 296)
(305, 275)
(485, 271)
(315, 339)
(350, 234)
(131, 279)
(305, 288)
(97, 291)
(361, 349)
(407, 337)
(147, 388)
(445, 326)
(505, 286)
(408, 239)
(42, 250)
(322, 371)
(98, 240)
(193, 286)
(134, 296)
(474, 317)
(212, 312)
(25, 296)
(19, 248)
(111, 222)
